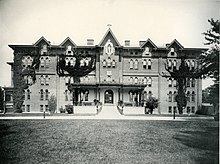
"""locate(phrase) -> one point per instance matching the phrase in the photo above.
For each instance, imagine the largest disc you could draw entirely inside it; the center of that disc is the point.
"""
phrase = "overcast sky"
(25, 21)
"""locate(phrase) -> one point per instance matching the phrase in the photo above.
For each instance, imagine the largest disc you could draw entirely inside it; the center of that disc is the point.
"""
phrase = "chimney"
(127, 42)
(90, 42)
(141, 43)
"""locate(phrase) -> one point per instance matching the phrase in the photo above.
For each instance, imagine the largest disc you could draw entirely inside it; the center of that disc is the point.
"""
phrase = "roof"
(148, 41)
(109, 32)
(175, 42)
(42, 39)
(68, 39)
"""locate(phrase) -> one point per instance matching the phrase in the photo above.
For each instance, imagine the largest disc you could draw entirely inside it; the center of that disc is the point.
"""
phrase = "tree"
(52, 104)
(151, 103)
(210, 61)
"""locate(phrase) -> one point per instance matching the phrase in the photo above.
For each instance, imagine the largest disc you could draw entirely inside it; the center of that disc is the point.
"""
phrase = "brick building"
(122, 73)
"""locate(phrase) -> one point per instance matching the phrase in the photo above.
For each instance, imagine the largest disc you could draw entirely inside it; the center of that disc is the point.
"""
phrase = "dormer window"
(44, 49)
(69, 50)
(172, 52)
(147, 50)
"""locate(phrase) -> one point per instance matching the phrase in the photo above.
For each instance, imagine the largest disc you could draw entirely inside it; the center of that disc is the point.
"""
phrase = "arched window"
(193, 82)
(104, 63)
(66, 95)
(86, 95)
(192, 64)
(113, 63)
(170, 96)
(136, 64)
(145, 80)
(47, 61)
(130, 96)
(188, 96)
(149, 64)
(174, 64)
(42, 80)
(42, 62)
(144, 64)
(29, 61)
(46, 94)
(131, 64)
(41, 94)
(150, 94)
(109, 62)
(135, 80)
(131, 79)
(67, 61)
(28, 94)
(149, 81)
(46, 80)
(72, 63)
(147, 50)
(169, 63)
(193, 96)
(174, 96)
(170, 82)
(86, 62)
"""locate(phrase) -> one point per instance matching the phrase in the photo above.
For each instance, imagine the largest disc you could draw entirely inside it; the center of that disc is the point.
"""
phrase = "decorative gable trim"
(113, 36)
(42, 39)
(68, 39)
(148, 41)
(173, 42)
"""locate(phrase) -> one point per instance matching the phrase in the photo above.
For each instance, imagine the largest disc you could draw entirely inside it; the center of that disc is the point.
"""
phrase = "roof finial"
(109, 25)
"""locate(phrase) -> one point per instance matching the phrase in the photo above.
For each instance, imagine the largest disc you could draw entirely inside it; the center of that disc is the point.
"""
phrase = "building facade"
(121, 73)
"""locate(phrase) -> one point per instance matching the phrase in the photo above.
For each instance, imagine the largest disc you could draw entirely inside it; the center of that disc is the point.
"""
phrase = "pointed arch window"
(193, 64)
(149, 64)
(67, 61)
(145, 80)
(170, 82)
(144, 64)
(41, 94)
(46, 94)
(170, 96)
(109, 62)
(169, 63)
(42, 80)
(28, 94)
(193, 82)
(131, 80)
(149, 81)
(104, 63)
(72, 62)
(113, 63)
(136, 64)
(46, 80)
(188, 96)
(174, 64)
(66, 95)
(193, 96)
(131, 64)
(86, 61)
(29, 61)
(47, 61)
(42, 62)
(135, 80)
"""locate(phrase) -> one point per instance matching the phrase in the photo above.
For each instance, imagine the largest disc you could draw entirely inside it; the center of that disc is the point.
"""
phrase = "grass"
(108, 141)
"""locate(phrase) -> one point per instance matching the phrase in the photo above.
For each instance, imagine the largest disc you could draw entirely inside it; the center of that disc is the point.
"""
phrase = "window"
(135, 80)
(86, 95)
(174, 64)
(144, 64)
(188, 63)
(170, 109)
(69, 50)
(149, 64)
(188, 96)
(170, 82)
(47, 61)
(172, 52)
(46, 108)
(86, 62)
(136, 64)
(188, 82)
(71, 80)
(28, 94)
(67, 61)
(131, 79)
(41, 94)
(46, 80)
(169, 63)
(150, 94)
(42, 62)
(104, 63)
(192, 65)
(174, 109)
(109, 78)
(46, 94)
(66, 95)
(130, 96)
(28, 108)
(41, 108)
(42, 80)
(170, 96)
(174, 82)
(188, 109)
(29, 80)
(113, 63)
(23, 108)
(147, 51)
(86, 78)
(193, 109)
(149, 82)
(72, 62)
(193, 83)
(193, 96)
(174, 96)
(109, 62)
(131, 64)
(145, 81)
(67, 80)
(29, 61)
(82, 62)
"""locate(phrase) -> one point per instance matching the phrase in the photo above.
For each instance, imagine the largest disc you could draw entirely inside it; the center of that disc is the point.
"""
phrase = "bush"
(62, 110)
(151, 103)
(69, 109)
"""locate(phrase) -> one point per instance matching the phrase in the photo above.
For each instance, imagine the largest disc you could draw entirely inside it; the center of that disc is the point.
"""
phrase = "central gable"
(109, 36)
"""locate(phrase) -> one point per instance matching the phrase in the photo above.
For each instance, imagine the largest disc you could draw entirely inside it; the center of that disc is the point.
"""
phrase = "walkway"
(108, 112)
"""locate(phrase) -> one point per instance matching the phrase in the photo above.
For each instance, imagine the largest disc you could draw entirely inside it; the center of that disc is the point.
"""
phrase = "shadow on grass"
(4, 130)
(205, 140)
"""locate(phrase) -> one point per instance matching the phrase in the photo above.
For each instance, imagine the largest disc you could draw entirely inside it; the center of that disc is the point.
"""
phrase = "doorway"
(109, 96)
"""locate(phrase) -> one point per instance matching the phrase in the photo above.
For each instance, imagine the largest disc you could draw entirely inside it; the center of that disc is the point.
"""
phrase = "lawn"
(106, 141)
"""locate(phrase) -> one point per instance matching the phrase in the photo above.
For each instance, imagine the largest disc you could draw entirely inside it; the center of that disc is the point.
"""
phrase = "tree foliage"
(52, 103)
(152, 103)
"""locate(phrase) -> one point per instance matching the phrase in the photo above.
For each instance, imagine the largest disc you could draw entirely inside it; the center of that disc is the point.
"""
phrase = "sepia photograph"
(109, 81)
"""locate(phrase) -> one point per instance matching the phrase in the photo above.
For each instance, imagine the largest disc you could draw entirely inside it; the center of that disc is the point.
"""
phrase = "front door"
(109, 96)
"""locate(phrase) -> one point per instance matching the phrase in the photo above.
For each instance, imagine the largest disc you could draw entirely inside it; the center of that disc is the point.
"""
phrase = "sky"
(25, 21)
